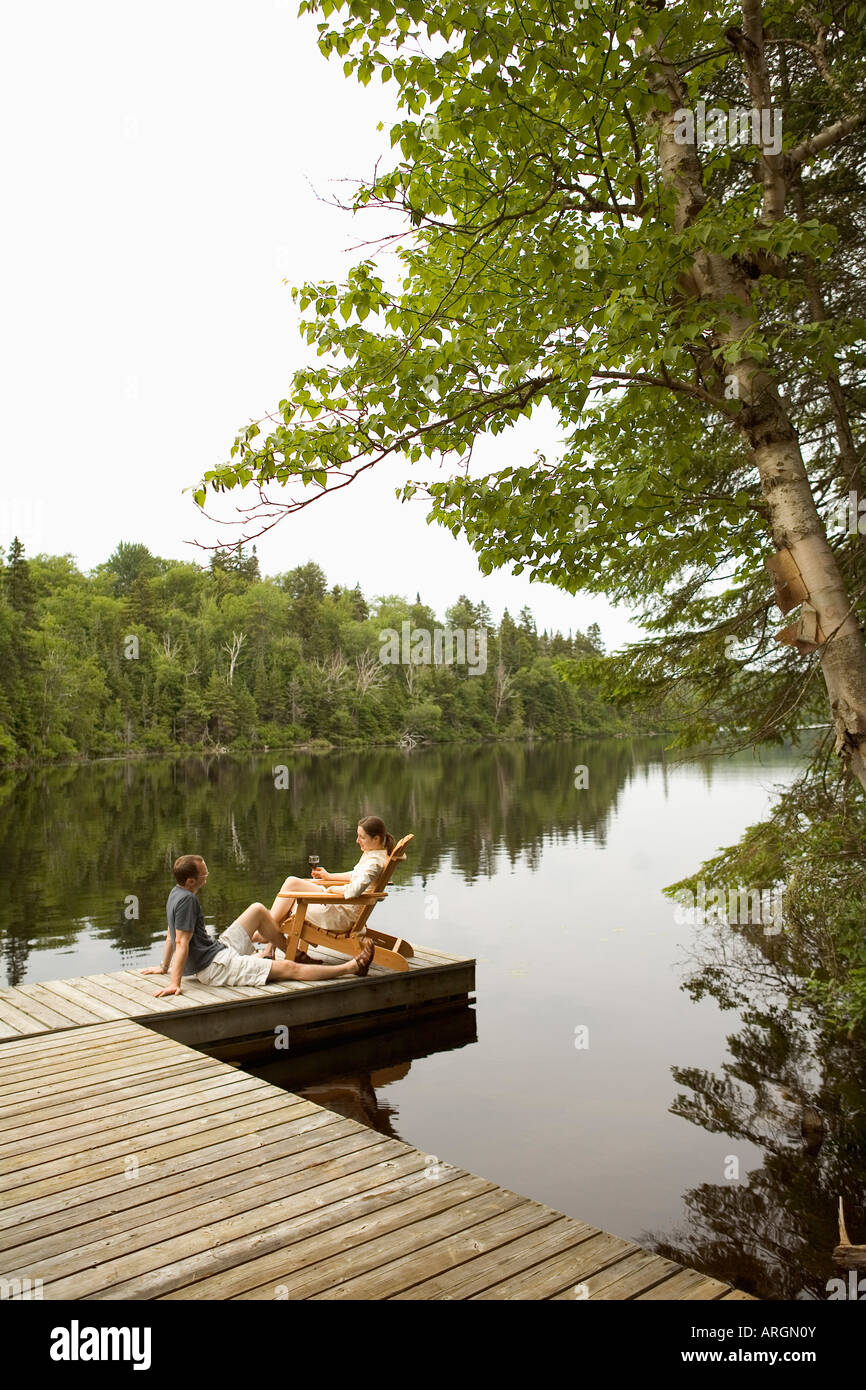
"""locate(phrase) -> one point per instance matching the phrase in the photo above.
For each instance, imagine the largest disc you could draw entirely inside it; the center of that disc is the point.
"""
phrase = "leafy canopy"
(538, 262)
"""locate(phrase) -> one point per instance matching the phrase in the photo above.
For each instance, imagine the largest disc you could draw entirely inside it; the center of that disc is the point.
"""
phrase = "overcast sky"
(165, 167)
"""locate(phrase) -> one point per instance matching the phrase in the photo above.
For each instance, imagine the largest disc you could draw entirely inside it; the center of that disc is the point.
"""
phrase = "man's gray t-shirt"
(184, 913)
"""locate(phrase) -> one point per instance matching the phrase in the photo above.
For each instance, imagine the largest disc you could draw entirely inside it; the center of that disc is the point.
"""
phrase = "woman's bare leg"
(284, 907)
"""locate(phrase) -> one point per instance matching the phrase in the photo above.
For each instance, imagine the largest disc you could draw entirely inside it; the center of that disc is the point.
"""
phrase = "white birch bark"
(794, 521)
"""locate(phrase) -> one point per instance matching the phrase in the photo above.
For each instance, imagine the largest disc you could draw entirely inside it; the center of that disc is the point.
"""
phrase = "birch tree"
(368, 672)
(333, 671)
(503, 687)
(233, 651)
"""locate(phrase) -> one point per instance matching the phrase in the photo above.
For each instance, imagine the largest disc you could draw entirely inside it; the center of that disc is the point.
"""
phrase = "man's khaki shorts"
(237, 963)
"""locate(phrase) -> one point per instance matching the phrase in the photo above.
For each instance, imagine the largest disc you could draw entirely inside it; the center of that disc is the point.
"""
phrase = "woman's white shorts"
(238, 963)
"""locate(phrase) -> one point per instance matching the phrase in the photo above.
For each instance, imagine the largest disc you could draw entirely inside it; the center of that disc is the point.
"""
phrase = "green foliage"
(147, 655)
(539, 261)
(130, 563)
(812, 844)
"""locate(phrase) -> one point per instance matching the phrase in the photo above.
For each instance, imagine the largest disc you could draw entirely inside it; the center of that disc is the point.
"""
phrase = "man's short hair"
(187, 866)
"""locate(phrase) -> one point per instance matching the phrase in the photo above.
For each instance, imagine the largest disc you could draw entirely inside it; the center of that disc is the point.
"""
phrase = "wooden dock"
(133, 1167)
(204, 1015)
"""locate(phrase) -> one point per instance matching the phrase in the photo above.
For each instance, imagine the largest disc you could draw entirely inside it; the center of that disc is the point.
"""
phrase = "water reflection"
(790, 1090)
(352, 1077)
(87, 851)
(557, 892)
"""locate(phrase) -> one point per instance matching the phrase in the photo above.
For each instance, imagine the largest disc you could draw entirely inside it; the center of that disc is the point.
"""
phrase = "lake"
(586, 1076)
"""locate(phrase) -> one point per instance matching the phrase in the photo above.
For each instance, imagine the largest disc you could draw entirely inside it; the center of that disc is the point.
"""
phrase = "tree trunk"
(795, 524)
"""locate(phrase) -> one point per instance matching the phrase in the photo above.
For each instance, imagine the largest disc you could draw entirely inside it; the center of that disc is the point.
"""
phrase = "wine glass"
(313, 860)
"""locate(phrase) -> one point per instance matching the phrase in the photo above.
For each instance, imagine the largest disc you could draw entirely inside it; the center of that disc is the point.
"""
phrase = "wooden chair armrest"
(332, 897)
(311, 897)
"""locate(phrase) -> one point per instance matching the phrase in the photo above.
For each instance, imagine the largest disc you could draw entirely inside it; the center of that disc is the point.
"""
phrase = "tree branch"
(830, 135)
(669, 383)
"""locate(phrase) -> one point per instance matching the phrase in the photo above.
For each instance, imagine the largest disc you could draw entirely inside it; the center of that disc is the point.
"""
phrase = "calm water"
(556, 891)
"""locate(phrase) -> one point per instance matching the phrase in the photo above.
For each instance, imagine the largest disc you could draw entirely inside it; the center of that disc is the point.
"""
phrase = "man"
(231, 959)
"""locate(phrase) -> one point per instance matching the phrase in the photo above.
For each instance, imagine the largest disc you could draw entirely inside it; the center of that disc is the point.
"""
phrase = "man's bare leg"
(258, 922)
(259, 925)
(294, 970)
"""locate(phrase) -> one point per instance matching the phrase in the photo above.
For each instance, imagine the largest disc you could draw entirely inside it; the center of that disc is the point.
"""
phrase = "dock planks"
(205, 1014)
(133, 1167)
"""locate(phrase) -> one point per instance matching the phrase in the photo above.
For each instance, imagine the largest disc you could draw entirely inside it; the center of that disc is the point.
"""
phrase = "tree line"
(149, 655)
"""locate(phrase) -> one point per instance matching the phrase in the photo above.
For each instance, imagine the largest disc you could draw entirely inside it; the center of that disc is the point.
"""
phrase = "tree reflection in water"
(78, 842)
(349, 1077)
(794, 1090)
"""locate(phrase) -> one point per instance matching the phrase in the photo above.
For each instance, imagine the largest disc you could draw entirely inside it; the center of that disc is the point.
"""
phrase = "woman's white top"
(365, 872)
(339, 916)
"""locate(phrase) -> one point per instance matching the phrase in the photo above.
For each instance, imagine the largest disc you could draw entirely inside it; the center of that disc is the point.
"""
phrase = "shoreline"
(316, 746)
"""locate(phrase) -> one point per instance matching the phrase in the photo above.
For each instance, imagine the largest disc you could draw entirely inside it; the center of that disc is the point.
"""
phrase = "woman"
(376, 844)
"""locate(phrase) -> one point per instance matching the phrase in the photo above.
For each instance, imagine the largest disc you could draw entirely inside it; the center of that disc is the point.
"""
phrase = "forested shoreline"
(148, 656)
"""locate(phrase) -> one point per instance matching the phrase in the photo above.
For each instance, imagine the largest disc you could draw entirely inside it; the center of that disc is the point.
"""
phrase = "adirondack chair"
(390, 951)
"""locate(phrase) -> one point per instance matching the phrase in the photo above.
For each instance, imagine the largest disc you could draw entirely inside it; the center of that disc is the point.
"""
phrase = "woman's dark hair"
(374, 826)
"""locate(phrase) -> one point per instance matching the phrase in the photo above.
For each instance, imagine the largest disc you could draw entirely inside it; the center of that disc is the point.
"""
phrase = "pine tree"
(18, 584)
(21, 668)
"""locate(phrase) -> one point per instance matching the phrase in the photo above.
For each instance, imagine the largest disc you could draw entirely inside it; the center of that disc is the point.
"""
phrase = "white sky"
(158, 165)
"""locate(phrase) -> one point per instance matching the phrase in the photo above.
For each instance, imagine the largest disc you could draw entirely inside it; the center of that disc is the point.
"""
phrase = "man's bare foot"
(269, 953)
(364, 959)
